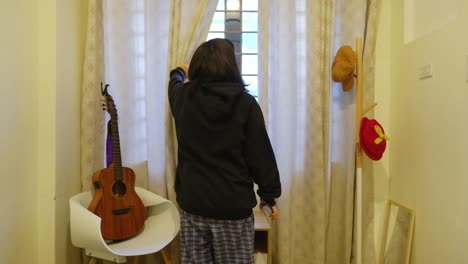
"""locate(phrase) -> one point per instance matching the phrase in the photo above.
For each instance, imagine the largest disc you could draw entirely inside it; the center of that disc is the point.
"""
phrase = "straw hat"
(372, 138)
(343, 67)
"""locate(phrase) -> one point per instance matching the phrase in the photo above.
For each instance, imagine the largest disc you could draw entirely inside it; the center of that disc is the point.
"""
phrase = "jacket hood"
(216, 100)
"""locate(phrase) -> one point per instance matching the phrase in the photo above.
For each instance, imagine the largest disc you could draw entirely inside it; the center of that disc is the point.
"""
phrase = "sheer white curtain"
(136, 36)
(312, 125)
(129, 39)
(144, 39)
(137, 42)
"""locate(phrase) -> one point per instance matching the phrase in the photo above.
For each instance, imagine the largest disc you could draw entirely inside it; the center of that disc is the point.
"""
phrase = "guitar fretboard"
(116, 148)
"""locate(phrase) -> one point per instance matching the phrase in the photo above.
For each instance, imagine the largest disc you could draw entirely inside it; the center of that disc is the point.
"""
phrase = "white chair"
(161, 226)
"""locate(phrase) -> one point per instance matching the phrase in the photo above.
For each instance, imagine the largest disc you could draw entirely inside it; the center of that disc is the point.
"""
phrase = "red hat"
(372, 138)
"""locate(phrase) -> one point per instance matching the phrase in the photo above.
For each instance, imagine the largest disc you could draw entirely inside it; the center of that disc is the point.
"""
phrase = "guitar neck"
(116, 148)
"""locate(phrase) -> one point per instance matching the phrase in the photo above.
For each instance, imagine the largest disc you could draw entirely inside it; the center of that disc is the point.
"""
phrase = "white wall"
(70, 33)
(41, 59)
(45, 137)
(19, 126)
(428, 118)
(382, 114)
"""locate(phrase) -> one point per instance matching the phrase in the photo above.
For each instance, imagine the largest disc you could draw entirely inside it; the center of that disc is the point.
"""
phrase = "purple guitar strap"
(109, 153)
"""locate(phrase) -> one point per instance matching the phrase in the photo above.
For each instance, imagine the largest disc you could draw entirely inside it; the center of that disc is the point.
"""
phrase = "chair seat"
(161, 226)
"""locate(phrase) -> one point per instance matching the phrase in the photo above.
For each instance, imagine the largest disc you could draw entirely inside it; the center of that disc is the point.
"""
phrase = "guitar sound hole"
(119, 189)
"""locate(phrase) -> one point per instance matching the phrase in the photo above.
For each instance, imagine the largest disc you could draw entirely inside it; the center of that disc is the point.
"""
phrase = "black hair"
(215, 61)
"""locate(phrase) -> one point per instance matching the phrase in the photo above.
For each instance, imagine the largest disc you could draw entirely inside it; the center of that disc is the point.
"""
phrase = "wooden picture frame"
(398, 234)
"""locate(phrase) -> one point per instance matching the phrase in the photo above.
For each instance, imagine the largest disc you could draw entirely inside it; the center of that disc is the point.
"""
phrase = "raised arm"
(176, 80)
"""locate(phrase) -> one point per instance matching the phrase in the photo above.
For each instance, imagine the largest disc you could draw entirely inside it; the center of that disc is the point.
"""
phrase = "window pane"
(218, 22)
(250, 43)
(233, 4)
(250, 21)
(215, 35)
(233, 21)
(249, 64)
(252, 82)
(233, 28)
(220, 5)
(250, 5)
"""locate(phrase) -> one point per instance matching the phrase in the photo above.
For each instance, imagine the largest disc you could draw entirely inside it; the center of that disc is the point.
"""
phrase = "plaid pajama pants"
(211, 241)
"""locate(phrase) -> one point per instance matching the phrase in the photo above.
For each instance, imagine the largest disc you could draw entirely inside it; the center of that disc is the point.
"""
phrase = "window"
(237, 20)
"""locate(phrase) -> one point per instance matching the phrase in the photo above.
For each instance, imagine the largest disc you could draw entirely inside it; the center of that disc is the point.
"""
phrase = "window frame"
(240, 33)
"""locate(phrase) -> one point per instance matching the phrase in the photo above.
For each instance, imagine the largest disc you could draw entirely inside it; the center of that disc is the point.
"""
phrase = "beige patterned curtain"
(294, 92)
(312, 125)
(349, 24)
(354, 18)
(92, 116)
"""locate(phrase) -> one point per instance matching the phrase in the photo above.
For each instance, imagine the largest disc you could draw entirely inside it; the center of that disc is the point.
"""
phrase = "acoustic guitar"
(115, 200)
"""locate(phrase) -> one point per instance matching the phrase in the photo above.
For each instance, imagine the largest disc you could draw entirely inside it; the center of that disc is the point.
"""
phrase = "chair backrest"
(161, 226)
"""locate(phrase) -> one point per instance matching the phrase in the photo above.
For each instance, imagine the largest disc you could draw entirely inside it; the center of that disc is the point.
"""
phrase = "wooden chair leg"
(166, 255)
(92, 261)
(135, 260)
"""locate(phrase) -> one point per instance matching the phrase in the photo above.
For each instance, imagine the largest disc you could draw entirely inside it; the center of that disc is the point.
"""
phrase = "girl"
(223, 149)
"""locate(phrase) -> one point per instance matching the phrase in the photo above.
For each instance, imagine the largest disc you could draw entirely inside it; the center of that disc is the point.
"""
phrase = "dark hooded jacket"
(223, 148)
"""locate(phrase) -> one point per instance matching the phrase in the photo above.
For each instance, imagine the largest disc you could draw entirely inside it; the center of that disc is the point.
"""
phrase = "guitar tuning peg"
(103, 109)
